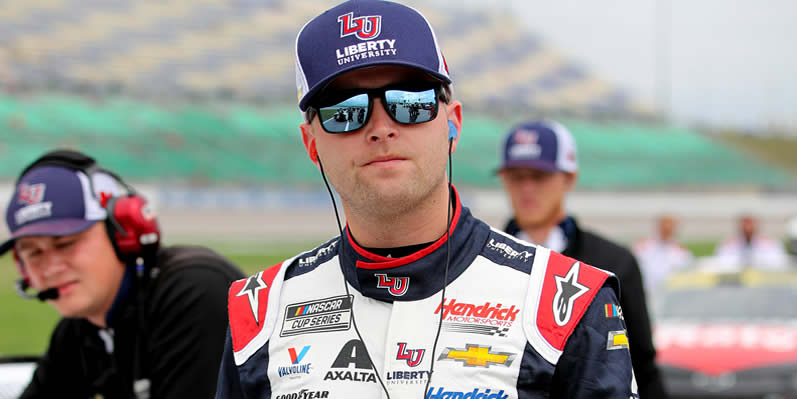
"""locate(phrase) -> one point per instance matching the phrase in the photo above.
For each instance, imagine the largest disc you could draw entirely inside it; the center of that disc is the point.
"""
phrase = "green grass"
(25, 325)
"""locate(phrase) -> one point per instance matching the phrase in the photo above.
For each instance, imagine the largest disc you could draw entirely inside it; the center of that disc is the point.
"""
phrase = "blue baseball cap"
(363, 33)
(56, 201)
(542, 144)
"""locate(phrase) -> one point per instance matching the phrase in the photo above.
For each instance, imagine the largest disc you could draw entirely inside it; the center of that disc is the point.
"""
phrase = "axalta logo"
(496, 315)
(365, 27)
(305, 394)
(477, 393)
(354, 354)
(397, 286)
(508, 252)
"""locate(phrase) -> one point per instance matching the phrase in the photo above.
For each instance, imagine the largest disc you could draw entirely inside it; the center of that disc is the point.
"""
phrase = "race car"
(728, 335)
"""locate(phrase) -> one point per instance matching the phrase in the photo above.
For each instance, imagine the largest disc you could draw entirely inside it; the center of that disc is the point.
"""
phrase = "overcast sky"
(723, 62)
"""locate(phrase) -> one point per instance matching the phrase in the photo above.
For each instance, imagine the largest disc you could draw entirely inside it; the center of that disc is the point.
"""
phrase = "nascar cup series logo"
(365, 28)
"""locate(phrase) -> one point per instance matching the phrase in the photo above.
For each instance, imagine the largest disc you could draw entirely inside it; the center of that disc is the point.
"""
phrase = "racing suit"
(519, 321)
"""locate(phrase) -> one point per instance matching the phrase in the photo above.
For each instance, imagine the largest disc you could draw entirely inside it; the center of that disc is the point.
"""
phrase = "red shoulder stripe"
(568, 288)
(247, 304)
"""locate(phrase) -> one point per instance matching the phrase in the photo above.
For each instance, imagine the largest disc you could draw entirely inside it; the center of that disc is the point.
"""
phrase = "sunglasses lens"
(345, 116)
(409, 107)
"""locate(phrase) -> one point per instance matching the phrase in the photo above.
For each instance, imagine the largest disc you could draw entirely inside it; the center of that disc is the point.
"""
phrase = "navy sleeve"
(229, 383)
(596, 362)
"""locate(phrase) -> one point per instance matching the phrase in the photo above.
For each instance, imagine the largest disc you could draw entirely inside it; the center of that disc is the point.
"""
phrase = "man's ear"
(309, 142)
(572, 178)
(455, 117)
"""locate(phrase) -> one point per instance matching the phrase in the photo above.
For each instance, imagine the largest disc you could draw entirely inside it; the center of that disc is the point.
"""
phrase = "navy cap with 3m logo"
(542, 144)
(358, 34)
(56, 201)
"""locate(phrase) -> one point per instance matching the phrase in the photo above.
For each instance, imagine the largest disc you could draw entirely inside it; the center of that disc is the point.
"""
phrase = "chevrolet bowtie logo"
(477, 356)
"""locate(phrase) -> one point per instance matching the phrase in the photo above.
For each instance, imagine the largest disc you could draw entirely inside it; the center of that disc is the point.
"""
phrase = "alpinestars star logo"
(567, 291)
(253, 285)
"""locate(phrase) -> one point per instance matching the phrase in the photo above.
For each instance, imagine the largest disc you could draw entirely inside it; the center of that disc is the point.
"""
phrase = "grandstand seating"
(245, 144)
(246, 48)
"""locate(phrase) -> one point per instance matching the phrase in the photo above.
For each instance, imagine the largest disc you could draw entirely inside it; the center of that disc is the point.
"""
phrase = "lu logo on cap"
(365, 28)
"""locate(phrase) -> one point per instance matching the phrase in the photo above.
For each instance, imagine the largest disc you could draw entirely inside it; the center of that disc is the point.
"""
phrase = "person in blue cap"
(539, 168)
(416, 298)
(139, 319)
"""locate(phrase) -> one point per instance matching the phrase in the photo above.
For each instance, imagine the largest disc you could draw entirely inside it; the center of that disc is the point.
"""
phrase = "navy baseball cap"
(56, 201)
(541, 144)
(363, 33)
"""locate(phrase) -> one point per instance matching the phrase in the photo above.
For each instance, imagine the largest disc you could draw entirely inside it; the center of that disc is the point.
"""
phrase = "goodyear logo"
(477, 356)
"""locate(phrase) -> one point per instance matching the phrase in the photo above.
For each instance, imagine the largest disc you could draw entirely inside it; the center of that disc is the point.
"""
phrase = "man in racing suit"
(416, 298)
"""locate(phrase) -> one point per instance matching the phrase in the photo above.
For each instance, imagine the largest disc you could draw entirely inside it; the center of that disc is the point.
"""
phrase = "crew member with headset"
(416, 298)
(139, 320)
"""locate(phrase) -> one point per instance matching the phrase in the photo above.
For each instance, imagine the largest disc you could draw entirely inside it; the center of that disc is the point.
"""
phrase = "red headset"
(131, 224)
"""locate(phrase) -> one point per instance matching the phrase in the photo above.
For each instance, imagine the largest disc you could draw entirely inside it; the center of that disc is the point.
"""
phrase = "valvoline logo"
(365, 28)
(477, 393)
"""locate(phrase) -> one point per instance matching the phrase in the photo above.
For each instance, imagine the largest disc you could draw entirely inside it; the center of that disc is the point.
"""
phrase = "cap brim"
(60, 227)
(530, 164)
(304, 102)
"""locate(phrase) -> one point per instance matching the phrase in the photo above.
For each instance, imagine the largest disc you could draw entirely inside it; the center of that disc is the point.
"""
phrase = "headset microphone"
(22, 290)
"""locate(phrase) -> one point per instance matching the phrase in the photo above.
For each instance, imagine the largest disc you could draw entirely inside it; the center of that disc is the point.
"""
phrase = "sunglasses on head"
(346, 110)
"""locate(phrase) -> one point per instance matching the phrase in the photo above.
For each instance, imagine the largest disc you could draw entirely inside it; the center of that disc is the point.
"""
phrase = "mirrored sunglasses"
(344, 111)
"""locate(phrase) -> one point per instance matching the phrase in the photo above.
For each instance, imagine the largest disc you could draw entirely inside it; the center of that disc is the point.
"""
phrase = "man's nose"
(382, 126)
(51, 264)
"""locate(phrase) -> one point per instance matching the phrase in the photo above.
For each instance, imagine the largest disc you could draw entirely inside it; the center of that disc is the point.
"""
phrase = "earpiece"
(452, 131)
(313, 153)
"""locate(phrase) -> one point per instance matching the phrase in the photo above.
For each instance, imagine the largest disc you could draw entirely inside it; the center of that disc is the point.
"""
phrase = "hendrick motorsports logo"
(466, 328)
(484, 314)
(323, 315)
(475, 394)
